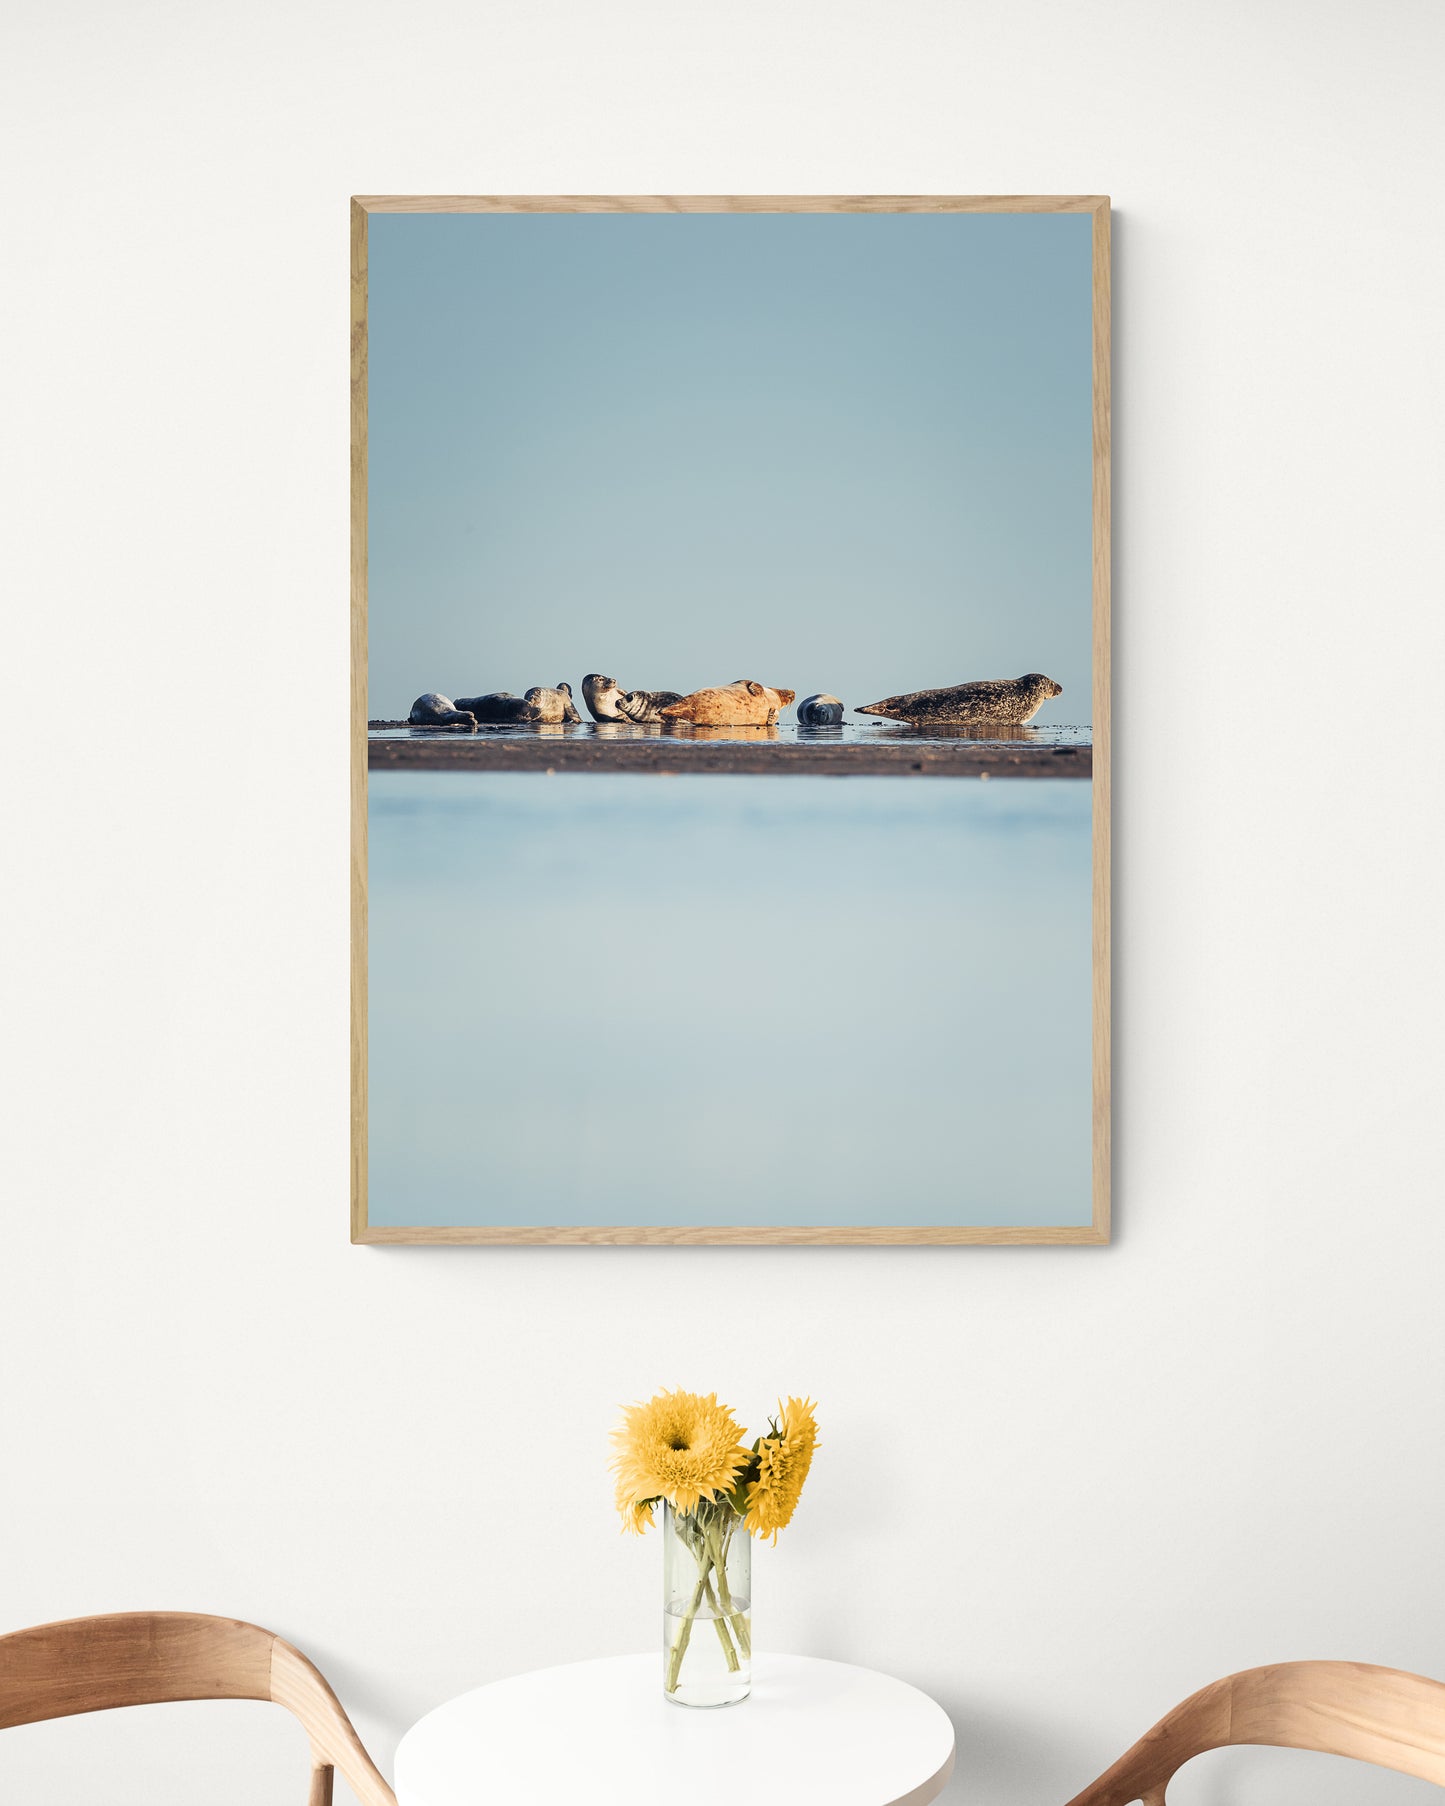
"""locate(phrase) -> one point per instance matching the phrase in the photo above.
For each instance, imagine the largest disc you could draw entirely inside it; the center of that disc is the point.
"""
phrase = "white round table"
(602, 1732)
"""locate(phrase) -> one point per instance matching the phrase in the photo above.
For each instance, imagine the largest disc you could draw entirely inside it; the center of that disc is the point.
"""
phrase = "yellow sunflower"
(783, 1463)
(679, 1446)
(636, 1514)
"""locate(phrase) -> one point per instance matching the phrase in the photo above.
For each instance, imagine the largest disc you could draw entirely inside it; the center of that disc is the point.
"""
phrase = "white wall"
(1059, 1488)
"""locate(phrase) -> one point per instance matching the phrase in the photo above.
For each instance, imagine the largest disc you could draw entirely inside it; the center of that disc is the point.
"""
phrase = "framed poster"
(730, 678)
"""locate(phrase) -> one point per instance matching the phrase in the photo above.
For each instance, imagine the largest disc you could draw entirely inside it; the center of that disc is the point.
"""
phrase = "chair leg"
(321, 1778)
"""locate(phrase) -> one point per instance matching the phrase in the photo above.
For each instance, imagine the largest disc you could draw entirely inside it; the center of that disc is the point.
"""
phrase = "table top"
(603, 1732)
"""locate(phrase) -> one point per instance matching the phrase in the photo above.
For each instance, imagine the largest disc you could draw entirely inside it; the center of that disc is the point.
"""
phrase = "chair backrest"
(1379, 1715)
(142, 1658)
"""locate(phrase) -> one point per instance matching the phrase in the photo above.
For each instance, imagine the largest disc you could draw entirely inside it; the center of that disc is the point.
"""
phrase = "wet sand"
(851, 751)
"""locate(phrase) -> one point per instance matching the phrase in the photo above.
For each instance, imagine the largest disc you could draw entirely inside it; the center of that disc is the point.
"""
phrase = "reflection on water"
(724, 999)
(704, 731)
(664, 730)
(848, 733)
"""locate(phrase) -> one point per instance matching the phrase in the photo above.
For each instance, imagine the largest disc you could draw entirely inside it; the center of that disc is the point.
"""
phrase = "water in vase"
(709, 1642)
(707, 1590)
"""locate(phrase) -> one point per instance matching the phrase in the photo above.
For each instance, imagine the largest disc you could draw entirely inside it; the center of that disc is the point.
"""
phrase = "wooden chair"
(1379, 1715)
(141, 1658)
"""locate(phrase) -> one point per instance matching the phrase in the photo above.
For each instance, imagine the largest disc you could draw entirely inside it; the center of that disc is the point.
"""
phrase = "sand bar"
(674, 754)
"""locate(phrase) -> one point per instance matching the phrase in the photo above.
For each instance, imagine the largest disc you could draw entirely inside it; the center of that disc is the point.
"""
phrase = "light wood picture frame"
(369, 1228)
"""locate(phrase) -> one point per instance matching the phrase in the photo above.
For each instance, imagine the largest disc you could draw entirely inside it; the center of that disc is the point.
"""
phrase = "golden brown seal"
(744, 703)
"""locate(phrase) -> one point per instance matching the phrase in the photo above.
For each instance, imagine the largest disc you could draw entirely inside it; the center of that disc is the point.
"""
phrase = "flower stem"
(730, 1655)
(735, 1617)
(707, 1536)
(684, 1635)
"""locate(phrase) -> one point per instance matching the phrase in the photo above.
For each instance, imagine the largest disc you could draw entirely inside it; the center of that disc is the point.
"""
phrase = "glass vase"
(707, 1596)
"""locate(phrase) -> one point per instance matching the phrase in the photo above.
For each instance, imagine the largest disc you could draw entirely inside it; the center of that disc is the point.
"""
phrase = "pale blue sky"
(845, 452)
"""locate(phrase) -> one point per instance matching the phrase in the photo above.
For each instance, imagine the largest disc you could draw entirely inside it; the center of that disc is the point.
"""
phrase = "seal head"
(601, 695)
(781, 698)
(821, 710)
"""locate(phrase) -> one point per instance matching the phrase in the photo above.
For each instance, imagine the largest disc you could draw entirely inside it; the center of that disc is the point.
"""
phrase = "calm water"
(704, 1678)
(847, 733)
(615, 998)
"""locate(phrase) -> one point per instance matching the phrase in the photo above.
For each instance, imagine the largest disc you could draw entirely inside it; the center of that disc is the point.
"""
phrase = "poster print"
(730, 709)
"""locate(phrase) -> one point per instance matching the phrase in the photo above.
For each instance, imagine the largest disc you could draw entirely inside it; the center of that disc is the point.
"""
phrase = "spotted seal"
(743, 703)
(498, 705)
(1013, 699)
(602, 696)
(821, 710)
(646, 705)
(435, 710)
(552, 705)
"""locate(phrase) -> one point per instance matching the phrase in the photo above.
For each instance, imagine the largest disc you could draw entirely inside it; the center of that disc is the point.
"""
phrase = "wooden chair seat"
(143, 1658)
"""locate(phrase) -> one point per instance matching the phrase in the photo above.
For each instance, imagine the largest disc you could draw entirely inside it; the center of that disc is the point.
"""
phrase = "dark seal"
(498, 705)
(1010, 699)
(821, 710)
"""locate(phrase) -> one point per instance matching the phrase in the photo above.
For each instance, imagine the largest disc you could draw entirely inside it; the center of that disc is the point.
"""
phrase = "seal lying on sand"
(552, 705)
(1013, 699)
(647, 705)
(744, 703)
(436, 710)
(820, 711)
(499, 705)
(601, 696)
(606, 701)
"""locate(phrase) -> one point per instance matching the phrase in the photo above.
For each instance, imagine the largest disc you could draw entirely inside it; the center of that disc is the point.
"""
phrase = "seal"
(1011, 699)
(552, 705)
(821, 710)
(435, 710)
(743, 703)
(647, 705)
(601, 695)
(499, 705)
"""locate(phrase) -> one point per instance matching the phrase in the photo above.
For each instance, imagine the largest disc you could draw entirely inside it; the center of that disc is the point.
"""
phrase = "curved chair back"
(1379, 1715)
(142, 1658)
